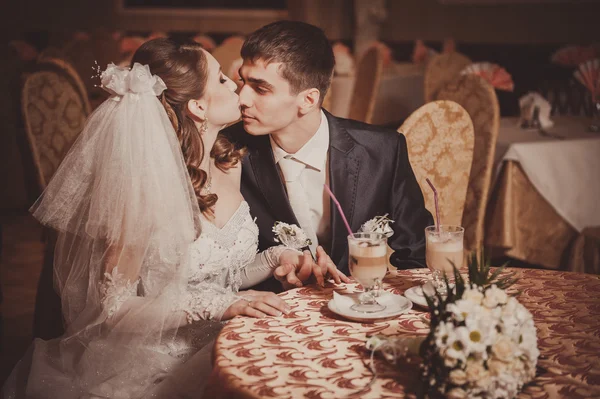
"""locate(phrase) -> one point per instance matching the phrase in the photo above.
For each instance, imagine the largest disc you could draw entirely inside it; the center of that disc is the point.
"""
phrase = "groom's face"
(266, 101)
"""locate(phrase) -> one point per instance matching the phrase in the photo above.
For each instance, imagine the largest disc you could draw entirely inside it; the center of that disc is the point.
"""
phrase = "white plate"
(415, 294)
(394, 304)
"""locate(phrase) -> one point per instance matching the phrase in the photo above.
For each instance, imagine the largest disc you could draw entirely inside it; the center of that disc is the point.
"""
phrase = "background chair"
(440, 70)
(54, 107)
(366, 85)
(228, 53)
(479, 99)
(440, 140)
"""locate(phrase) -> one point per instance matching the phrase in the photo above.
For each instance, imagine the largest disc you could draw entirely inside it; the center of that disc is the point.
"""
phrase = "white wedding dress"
(144, 278)
(222, 260)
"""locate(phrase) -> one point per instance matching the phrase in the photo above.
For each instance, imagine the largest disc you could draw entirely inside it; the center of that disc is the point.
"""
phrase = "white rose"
(498, 293)
(458, 377)
(473, 295)
(504, 349)
(496, 367)
(490, 301)
(475, 371)
(456, 393)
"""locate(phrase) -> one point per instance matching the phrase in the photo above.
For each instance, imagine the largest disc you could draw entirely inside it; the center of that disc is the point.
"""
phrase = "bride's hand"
(256, 304)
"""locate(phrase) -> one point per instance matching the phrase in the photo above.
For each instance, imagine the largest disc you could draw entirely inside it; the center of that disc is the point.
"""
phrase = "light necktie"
(292, 170)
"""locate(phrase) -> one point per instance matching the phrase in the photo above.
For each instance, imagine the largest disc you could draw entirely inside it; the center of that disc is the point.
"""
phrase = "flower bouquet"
(482, 342)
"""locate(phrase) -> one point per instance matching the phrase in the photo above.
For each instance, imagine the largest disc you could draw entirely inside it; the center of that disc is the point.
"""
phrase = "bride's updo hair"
(183, 67)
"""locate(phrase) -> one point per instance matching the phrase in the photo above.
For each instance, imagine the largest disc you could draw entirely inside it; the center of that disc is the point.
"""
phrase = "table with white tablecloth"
(400, 92)
(546, 190)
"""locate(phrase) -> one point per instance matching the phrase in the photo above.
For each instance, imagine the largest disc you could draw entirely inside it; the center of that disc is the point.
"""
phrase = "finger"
(333, 271)
(343, 277)
(253, 312)
(306, 267)
(282, 271)
(266, 308)
(275, 302)
(322, 259)
(318, 273)
(292, 279)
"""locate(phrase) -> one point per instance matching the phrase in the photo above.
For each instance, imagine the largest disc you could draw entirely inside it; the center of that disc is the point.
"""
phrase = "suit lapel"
(268, 181)
(344, 167)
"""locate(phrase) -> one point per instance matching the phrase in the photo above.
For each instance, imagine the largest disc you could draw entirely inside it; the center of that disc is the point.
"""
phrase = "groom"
(295, 147)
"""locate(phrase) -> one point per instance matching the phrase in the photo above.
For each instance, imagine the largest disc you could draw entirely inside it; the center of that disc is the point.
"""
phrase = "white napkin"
(528, 103)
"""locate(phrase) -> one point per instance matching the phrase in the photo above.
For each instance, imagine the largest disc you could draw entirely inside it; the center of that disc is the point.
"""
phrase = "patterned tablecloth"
(313, 353)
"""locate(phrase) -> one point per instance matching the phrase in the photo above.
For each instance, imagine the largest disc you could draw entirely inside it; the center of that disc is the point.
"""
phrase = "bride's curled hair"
(183, 67)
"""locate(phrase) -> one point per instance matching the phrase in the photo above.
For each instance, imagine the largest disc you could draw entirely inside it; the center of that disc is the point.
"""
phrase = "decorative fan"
(493, 73)
(588, 74)
(421, 53)
(571, 56)
(205, 41)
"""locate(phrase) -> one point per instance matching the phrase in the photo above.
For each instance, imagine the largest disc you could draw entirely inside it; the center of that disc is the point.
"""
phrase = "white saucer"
(394, 304)
(415, 294)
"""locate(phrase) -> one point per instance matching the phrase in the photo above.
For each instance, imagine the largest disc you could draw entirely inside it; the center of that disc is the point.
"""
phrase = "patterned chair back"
(442, 69)
(54, 107)
(440, 143)
(479, 99)
(228, 53)
(366, 85)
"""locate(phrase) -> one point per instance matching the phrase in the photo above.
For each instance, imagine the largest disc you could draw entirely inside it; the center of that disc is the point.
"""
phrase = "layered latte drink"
(368, 263)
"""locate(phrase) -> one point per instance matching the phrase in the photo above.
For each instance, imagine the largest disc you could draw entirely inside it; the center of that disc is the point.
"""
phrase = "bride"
(155, 239)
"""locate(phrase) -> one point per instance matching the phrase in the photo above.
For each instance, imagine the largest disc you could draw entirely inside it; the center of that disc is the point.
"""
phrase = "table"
(545, 191)
(316, 354)
(400, 92)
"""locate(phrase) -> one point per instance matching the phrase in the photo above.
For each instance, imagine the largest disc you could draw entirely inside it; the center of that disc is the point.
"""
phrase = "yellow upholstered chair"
(368, 76)
(440, 70)
(440, 138)
(479, 99)
(54, 106)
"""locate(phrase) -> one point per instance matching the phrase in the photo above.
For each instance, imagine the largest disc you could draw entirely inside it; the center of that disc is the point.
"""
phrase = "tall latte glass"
(443, 248)
(368, 265)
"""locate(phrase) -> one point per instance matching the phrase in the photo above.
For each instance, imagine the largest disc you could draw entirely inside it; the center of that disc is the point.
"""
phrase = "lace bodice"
(218, 257)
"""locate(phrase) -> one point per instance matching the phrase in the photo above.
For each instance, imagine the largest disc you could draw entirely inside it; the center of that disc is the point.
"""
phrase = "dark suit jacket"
(369, 174)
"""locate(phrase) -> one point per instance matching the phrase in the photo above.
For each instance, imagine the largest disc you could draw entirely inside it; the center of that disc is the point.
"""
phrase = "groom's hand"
(296, 275)
(328, 268)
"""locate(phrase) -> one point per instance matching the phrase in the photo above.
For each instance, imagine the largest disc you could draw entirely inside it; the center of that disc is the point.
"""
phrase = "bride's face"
(222, 104)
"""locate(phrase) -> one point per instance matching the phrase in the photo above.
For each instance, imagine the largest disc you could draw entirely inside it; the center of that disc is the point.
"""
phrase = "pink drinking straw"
(437, 209)
(339, 207)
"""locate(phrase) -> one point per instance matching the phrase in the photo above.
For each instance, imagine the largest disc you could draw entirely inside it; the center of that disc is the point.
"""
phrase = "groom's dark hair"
(303, 49)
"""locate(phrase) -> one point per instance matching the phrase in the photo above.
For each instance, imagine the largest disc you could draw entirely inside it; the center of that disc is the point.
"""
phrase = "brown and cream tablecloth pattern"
(313, 353)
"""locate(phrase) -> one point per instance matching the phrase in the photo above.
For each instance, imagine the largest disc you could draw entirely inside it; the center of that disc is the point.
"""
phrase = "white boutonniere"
(379, 224)
(291, 235)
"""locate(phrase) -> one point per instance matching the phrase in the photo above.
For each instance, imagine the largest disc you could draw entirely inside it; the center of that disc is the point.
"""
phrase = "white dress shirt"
(314, 156)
